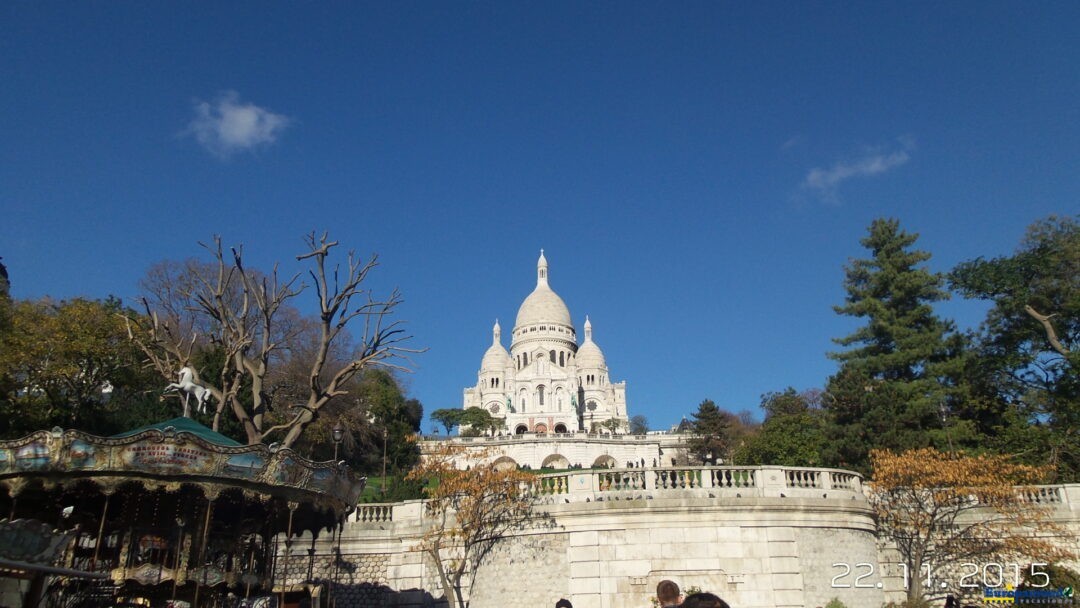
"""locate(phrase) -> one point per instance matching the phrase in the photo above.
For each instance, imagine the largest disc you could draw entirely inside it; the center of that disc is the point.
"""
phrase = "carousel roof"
(188, 426)
(171, 453)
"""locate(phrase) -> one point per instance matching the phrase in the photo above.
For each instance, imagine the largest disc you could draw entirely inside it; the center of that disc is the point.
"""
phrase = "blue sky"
(698, 173)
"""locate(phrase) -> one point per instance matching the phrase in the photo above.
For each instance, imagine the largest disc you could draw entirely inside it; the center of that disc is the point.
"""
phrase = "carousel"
(173, 514)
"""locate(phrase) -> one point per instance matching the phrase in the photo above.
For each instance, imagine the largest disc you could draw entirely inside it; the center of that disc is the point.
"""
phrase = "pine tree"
(716, 433)
(894, 383)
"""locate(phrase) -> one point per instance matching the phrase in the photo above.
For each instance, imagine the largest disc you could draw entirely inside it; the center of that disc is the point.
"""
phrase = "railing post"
(1070, 496)
(707, 476)
(650, 478)
(772, 481)
(826, 480)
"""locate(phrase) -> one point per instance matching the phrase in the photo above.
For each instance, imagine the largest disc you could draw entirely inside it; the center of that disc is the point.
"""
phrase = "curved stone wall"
(761, 537)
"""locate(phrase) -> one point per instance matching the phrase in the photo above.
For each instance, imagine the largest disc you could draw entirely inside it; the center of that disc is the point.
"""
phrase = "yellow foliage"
(941, 509)
(471, 509)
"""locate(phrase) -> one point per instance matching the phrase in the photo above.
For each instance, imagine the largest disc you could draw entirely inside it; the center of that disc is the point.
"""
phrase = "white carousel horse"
(189, 387)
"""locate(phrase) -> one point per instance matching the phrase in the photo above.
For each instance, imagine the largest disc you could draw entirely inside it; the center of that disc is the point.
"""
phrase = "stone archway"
(505, 463)
(560, 428)
(521, 429)
(555, 461)
(540, 428)
(604, 462)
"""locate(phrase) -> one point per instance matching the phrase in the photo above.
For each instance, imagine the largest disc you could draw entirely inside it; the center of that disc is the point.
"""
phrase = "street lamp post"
(338, 433)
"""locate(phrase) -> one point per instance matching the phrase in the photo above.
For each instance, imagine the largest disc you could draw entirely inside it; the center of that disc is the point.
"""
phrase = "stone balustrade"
(687, 482)
(699, 482)
(712, 482)
(375, 512)
(1045, 495)
(500, 439)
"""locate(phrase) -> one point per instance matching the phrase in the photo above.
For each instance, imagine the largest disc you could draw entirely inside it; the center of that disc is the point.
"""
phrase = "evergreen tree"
(894, 388)
(716, 433)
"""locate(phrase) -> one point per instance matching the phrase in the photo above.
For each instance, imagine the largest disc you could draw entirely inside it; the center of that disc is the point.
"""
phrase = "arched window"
(562, 362)
(540, 394)
(551, 356)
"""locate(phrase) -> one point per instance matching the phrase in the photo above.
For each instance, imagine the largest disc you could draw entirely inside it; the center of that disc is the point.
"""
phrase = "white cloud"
(874, 162)
(228, 126)
(792, 142)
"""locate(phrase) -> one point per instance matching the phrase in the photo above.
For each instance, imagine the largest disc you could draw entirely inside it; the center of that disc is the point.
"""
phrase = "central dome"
(543, 305)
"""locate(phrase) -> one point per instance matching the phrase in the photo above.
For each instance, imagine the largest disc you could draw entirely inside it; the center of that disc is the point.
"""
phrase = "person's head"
(668, 593)
(563, 603)
(704, 600)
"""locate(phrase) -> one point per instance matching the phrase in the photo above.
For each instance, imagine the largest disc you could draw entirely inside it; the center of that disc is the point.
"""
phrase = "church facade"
(547, 382)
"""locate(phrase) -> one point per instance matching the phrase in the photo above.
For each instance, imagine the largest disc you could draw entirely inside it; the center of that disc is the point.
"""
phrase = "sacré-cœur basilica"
(546, 383)
(556, 397)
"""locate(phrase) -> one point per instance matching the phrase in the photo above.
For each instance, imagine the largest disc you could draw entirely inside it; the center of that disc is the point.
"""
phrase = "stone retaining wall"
(765, 537)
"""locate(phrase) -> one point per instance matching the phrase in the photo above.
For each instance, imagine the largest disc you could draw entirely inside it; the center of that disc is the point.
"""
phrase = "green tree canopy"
(793, 433)
(71, 364)
(448, 417)
(1029, 346)
(480, 421)
(788, 402)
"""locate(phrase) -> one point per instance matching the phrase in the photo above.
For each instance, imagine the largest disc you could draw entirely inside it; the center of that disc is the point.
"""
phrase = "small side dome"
(589, 354)
(496, 358)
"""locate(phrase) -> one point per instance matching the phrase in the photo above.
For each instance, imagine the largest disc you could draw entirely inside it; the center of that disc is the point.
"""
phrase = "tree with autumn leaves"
(946, 508)
(471, 510)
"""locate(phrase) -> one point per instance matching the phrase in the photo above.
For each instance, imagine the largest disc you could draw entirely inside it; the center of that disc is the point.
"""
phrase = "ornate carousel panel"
(171, 514)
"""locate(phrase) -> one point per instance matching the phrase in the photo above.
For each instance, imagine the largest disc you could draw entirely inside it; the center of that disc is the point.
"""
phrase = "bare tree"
(247, 315)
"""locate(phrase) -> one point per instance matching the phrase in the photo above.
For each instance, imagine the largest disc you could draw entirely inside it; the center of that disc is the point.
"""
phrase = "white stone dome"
(589, 354)
(496, 358)
(543, 305)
